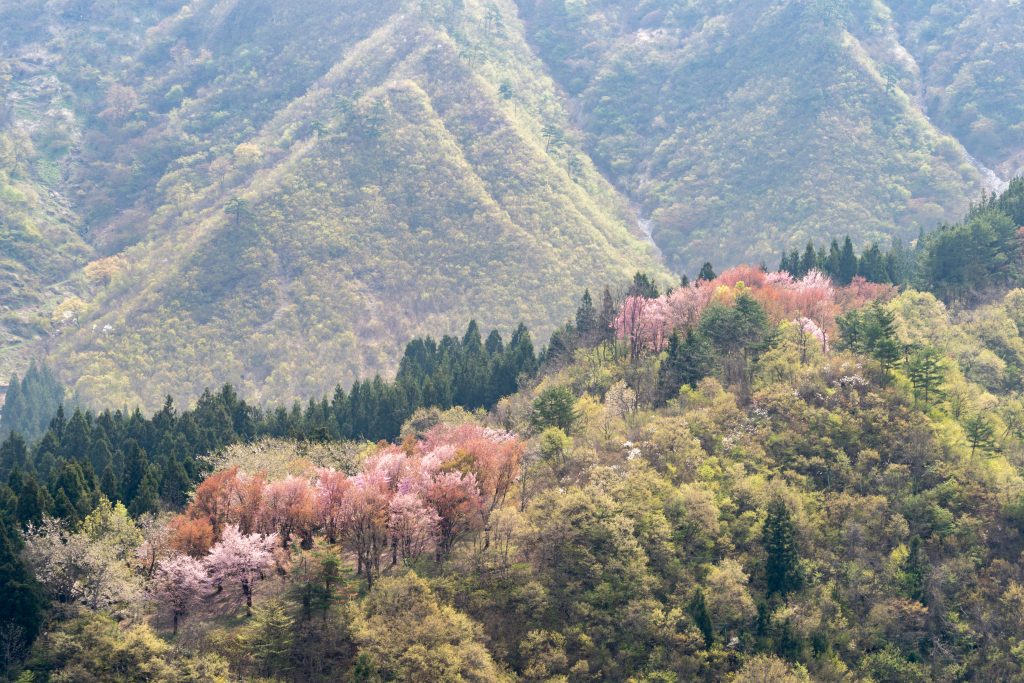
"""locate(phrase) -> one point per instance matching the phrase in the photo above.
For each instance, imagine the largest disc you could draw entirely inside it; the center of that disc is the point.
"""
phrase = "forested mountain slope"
(208, 191)
(743, 128)
(341, 174)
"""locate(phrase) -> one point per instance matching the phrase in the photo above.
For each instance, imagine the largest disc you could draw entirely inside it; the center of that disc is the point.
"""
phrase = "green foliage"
(403, 633)
(925, 369)
(555, 407)
(872, 331)
(782, 561)
(671, 116)
(21, 610)
(30, 403)
(92, 648)
(689, 361)
(698, 611)
(268, 638)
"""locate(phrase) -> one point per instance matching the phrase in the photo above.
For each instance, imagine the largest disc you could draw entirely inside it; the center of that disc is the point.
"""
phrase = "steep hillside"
(745, 128)
(207, 191)
(413, 174)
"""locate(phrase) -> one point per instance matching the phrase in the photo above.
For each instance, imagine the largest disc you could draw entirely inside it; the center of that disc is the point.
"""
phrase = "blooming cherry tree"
(240, 561)
(178, 585)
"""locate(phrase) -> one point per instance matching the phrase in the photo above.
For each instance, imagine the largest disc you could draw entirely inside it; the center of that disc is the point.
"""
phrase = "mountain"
(282, 195)
(278, 195)
(746, 128)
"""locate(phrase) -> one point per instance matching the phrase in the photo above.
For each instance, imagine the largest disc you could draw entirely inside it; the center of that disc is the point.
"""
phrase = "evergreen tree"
(175, 484)
(21, 597)
(847, 269)
(135, 465)
(872, 332)
(494, 344)
(586, 318)
(148, 497)
(707, 273)
(75, 442)
(78, 489)
(108, 482)
(872, 265)
(33, 500)
(915, 571)
(688, 362)
(555, 407)
(980, 434)
(698, 611)
(100, 454)
(782, 564)
(30, 402)
(269, 637)
(64, 509)
(13, 455)
(926, 373)
(643, 286)
(831, 264)
(809, 261)
(606, 317)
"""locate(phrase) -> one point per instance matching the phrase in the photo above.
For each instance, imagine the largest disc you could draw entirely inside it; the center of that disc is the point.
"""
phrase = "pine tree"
(847, 263)
(135, 464)
(22, 602)
(108, 481)
(926, 372)
(707, 272)
(698, 611)
(269, 637)
(494, 344)
(809, 261)
(643, 286)
(148, 498)
(33, 500)
(915, 571)
(64, 509)
(586, 318)
(75, 442)
(980, 434)
(100, 454)
(688, 362)
(782, 564)
(832, 261)
(13, 455)
(872, 265)
(555, 407)
(176, 483)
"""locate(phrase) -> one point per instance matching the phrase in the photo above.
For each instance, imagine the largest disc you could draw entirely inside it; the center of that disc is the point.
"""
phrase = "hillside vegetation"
(754, 477)
(741, 129)
(199, 192)
(382, 192)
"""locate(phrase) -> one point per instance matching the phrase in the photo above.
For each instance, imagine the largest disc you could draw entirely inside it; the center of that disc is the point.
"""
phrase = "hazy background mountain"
(279, 195)
(745, 127)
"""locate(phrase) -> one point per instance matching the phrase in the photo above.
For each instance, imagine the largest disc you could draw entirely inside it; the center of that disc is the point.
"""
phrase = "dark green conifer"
(782, 562)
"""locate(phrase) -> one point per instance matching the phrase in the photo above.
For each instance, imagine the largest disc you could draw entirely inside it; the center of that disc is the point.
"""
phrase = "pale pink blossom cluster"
(419, 497)
(811, 302)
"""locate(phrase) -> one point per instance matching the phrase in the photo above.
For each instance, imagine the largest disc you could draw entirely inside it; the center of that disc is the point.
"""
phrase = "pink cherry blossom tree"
(289, 506)
(178, 584)
(240, 560)
(366, 521)
(455, 496)
(331, 494)
(413, 527)
(641, 324)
